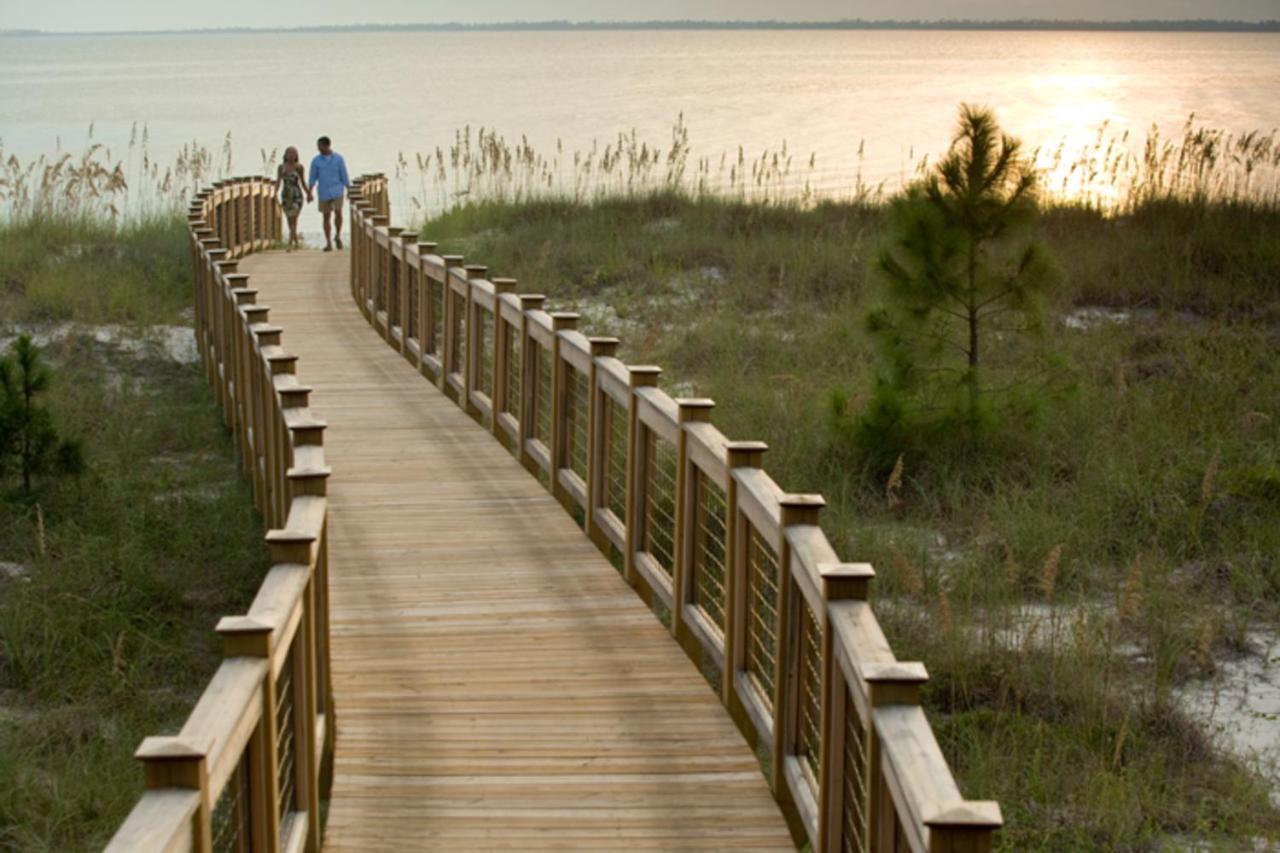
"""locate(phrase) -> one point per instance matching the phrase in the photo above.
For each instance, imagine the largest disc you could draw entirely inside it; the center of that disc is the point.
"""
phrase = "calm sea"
(869, 102)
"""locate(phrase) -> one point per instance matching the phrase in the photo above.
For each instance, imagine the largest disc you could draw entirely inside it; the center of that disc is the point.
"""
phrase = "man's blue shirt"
(331, 174)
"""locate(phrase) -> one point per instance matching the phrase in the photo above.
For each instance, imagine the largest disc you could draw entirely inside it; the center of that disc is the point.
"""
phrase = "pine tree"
(960, 268)
(27, 434)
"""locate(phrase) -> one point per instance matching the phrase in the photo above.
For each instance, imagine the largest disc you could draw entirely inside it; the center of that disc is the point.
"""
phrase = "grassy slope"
(108, 637)
(1158, 476)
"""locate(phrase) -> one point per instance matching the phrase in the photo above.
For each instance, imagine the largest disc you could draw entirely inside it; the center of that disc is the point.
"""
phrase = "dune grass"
(86, 270)
(116, 578)
(1062, 587)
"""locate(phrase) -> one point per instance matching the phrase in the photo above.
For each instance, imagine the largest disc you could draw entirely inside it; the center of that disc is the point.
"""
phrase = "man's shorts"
(328, 205)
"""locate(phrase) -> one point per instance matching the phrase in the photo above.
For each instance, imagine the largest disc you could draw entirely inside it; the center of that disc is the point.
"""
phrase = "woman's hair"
(288, 151)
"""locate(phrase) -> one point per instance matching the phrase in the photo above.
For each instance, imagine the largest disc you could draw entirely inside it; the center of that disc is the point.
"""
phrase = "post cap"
(970, 814)
(603, 346)
(564, 320)
(801, 509)
(745, 454)
(842, 581)
(244, 636)
(643, 375)
(895, 682)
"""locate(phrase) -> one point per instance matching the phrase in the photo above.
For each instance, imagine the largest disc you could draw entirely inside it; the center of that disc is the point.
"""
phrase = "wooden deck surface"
(497, 684)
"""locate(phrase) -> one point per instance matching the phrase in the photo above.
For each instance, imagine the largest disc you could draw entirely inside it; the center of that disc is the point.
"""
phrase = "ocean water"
(852, 104)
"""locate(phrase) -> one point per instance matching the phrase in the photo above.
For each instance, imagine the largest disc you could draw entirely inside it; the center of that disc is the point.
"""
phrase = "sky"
(95, 15)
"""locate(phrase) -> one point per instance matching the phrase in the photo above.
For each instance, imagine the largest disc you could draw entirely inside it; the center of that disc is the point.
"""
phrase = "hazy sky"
(165, 14)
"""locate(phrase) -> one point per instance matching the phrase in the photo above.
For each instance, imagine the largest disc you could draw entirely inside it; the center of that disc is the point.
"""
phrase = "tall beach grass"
(1116, 172)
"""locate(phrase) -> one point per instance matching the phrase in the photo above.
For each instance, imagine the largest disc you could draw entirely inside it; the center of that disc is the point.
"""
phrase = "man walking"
(329, 171)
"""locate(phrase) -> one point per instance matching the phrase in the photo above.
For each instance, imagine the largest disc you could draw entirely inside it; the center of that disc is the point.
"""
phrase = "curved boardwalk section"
(498, 684)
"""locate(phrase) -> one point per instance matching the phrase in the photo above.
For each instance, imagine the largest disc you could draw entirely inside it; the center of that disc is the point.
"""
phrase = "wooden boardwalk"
(497, 683)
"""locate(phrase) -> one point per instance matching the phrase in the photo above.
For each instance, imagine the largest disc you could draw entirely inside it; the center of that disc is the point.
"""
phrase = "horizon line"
(549, 25)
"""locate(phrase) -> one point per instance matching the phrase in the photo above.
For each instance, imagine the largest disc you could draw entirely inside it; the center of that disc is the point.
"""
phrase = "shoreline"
(1193, 25)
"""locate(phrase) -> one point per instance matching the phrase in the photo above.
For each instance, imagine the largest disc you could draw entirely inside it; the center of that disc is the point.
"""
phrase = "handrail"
(249, 768)
(699, 528)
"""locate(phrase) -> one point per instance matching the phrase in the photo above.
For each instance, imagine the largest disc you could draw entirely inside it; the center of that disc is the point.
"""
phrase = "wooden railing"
(250, 766)
(743, 569)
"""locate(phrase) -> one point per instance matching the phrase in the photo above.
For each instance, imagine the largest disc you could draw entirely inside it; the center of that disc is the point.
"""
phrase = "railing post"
(172, 762)
(475, 348)
(289, 548)
(241, 219)
(218, 319)
(233, 216)
(265, 335)
(261, 193)
(360, 259)
(840, 582)
(896, 683)
(498, 393)
(597, 463)
(354, 201)
(640, 376)
(253, 209)
(426, 311)
(449, 301)
(243, 636)
(561, 321)
(739, 454)
(796, 510)
(528, 377)
(276, 215)
(249, 396)
(377, 277)
(688, 410)
(407, 237)
(391, 287)
(237, 300)
(282, 436)
(204, 323)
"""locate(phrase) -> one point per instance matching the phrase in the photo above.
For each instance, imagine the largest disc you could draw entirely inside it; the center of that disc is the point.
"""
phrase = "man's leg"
(328, 228)
(337, 224)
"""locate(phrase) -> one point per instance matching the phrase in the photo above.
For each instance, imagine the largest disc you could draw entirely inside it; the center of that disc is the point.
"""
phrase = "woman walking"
(291, 184)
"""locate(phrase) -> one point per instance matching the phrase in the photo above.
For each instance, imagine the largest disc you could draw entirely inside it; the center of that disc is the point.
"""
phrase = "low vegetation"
(1064, 587)
(110, 581)
(1062, 591)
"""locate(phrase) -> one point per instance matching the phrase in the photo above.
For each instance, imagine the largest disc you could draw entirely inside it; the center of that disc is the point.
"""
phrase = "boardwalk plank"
(498, 686)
